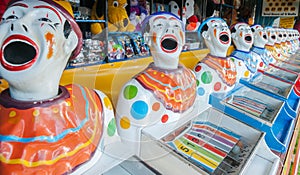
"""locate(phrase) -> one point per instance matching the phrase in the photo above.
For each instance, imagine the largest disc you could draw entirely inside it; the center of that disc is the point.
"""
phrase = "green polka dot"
(130, 92)
(206, 77)
(232, 59)
(198, 82)
(111, 129)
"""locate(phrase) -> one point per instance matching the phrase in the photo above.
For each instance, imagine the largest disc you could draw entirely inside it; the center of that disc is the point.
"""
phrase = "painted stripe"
(167, 84)
(189, 153)
(216, 137)
(219, 128)
(205, 145)
(250, 110)
(214, 131)
(165, 93)
(213, 142)
(212, 157)
(61, 156)
(51, 139)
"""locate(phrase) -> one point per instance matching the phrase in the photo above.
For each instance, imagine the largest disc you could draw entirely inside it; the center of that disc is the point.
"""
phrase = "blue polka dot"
(139, 110)
(200, 91)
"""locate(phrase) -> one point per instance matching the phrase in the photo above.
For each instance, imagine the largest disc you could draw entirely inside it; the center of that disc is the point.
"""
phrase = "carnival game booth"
(260, 111)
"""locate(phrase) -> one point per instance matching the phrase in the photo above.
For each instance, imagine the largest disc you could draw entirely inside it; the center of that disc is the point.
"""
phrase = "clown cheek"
(215, 33)
(50, 44)
(181, 36)
(154, 37)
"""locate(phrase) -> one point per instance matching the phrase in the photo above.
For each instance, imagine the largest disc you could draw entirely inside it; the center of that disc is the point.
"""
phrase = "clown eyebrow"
(47, 7)
(159, 17)
(20, 5)
(172, 18)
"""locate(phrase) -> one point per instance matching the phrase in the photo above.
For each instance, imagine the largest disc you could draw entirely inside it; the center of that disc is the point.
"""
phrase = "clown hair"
(146, 25)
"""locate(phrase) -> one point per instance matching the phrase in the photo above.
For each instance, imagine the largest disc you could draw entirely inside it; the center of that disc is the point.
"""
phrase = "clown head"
(37, 39)
(259, 35)
(216, 35)
(271, 34)
(279, 35)
(289, 35)
(164, 34)
(284, 34)
(242, 36)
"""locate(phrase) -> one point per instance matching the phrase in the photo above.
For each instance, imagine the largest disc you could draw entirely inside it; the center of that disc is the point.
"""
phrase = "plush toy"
(117, 16)
(188, 17)
(98, 11)
(192, 20)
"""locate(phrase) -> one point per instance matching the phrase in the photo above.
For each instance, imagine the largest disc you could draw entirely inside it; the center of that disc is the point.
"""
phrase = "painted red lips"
(18, 52)
(224, 37)
(169, 43)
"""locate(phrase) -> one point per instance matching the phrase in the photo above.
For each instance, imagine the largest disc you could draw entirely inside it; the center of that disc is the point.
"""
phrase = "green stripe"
(201, 150)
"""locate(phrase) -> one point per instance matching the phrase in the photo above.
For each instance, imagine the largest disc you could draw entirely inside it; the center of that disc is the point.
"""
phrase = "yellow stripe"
(64, 155)
(190, 152)
(164, 92)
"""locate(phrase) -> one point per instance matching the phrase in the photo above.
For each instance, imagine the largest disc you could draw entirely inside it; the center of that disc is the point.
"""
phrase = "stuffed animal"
(117, 16)
(97, 14)
(188, 17)
(137, 14)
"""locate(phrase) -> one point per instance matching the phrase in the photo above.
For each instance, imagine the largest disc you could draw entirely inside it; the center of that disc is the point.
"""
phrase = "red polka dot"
(217, 86)
(164, 118)
(261, 64)
(225, 87)
(198, 68)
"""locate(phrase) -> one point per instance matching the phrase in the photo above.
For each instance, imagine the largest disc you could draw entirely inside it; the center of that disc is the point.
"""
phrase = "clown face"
(279, 36)
(289, 35)
(242, 37)
(36, 42)
(284, 35)
(260, 36)
(271, 34)
(165, 39)
(217, 37)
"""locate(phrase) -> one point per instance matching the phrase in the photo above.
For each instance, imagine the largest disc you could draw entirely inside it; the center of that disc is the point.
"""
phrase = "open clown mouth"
(224, 37)
(169, 44)
(273, 37)
(248, 38)
(18, 53)
(265, 36)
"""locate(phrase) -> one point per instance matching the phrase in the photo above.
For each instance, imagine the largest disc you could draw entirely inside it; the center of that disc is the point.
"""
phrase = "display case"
(286, 66)
(280, 73)
(209, 144)
(276, 88)
(260, 111)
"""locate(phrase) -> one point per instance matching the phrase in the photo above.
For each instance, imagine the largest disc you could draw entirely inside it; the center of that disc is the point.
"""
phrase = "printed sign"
(280, 8)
